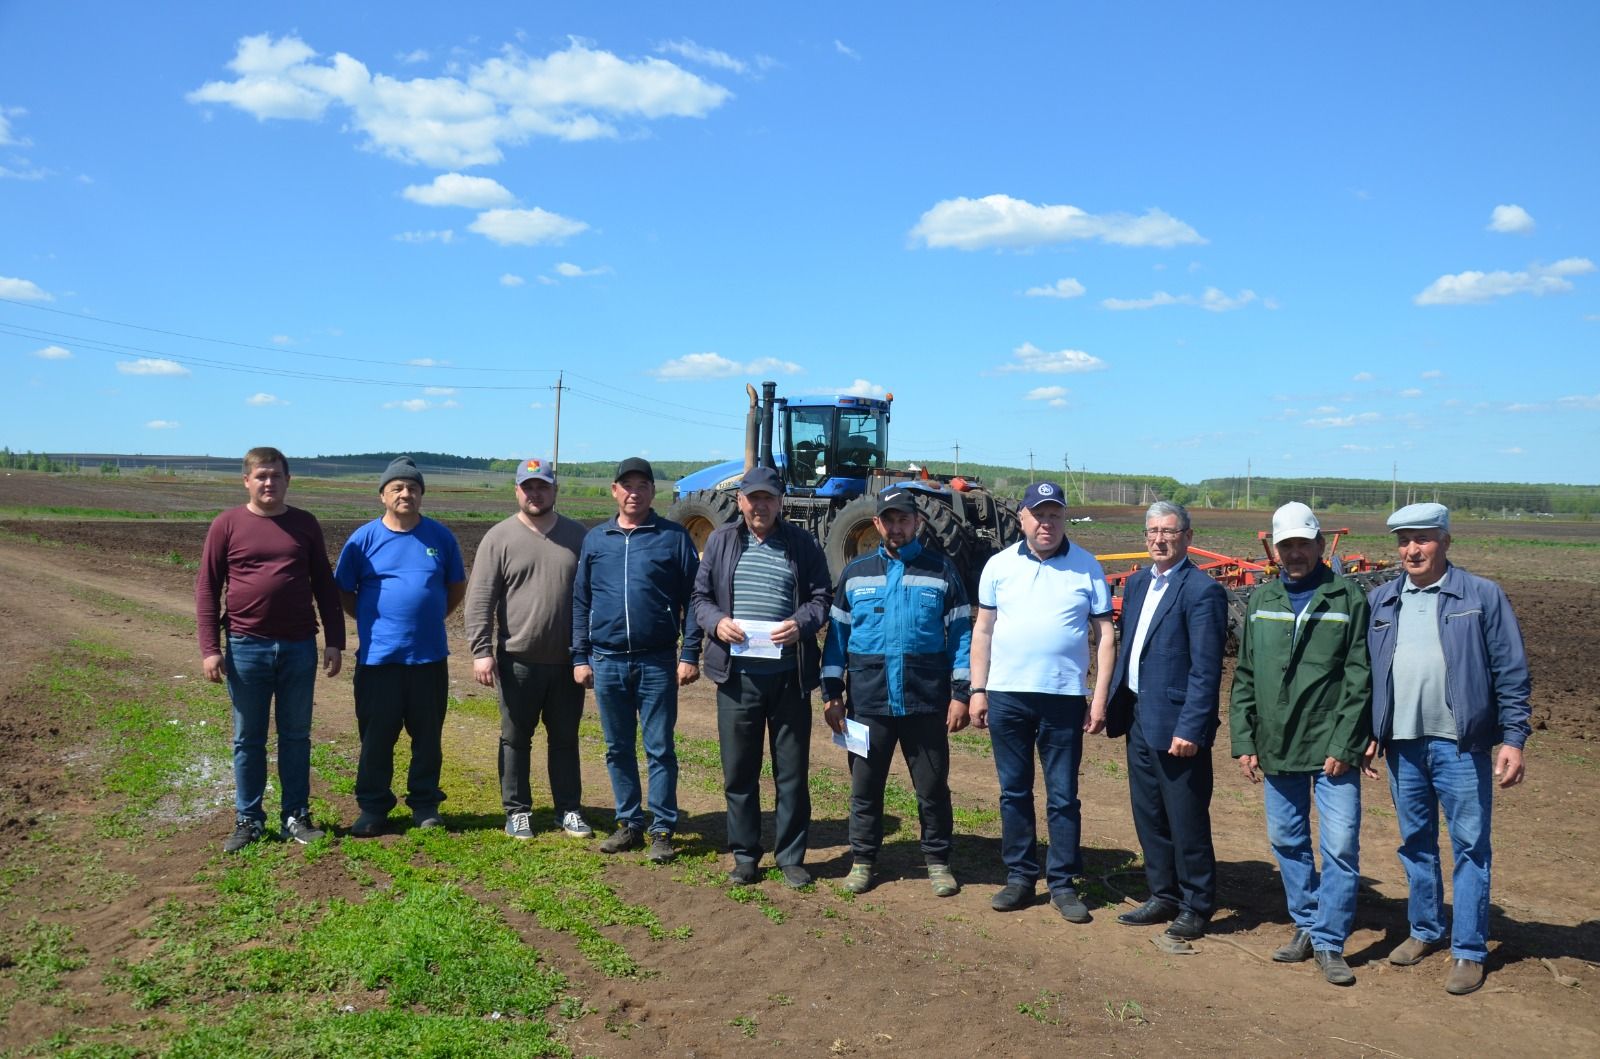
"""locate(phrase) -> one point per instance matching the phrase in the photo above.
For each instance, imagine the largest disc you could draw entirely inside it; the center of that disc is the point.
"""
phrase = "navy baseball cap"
(1043, 493)
(761, 480)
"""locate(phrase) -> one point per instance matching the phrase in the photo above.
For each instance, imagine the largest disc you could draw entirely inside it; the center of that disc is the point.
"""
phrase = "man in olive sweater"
(1300, 712)
(519, 625)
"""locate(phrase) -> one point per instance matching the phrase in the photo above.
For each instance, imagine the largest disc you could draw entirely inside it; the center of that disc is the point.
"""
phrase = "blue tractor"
(832, 453)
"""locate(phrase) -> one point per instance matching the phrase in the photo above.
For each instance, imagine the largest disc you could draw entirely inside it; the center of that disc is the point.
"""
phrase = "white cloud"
(1341, 422)
(163, 424)
(537, 404)
(1513, 220)
(1512, 451)
(446, 235)
(31, 173)
(151, 366)
(1467, 287)
(1061, 288)
(692, 367)
(282, 340)
(454, 189)
(1412, 392)
(510, 280)
(571, 271)
(1432, 373)
(1362, 376)
(1213, 300)
(416, 55)
(695, 53)
(7, 137)
(1056, 395)
(547, 281)
(427, 362)
(23, 290)
(439, 391)
(844, 49)
(264, 400)
(53, 353)
(578, 93)
(1325, 410)
(1521, 407)
(1030, 357)
(1000, 221)
(525, 227)
(410, 404)
(861, 388)
(1582, 400)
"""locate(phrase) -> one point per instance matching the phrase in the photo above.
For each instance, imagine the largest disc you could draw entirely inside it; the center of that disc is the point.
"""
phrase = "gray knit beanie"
(402, 467)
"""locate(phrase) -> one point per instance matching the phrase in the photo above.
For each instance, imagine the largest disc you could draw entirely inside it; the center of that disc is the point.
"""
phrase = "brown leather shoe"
(1412, 950)
(1465, 977)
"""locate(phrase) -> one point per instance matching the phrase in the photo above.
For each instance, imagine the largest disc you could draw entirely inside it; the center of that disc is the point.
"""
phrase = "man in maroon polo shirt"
(272, 562)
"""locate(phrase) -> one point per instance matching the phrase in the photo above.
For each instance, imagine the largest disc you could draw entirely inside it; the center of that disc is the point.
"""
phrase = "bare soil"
(897, 972)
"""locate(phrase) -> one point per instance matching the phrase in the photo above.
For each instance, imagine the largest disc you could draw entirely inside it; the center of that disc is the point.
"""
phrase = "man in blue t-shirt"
(399, 576)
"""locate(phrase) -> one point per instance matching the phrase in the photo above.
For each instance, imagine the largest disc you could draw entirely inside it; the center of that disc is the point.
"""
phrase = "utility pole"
(1394, 483)
(555, 457)
(1247, 485)
(958, 457)
(1030, 466)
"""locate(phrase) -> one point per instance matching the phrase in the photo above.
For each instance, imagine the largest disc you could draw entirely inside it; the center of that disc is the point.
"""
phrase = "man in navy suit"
(1164, 698)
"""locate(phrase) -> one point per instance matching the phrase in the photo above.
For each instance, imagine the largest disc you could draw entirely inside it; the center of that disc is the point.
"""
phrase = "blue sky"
(1162, 238)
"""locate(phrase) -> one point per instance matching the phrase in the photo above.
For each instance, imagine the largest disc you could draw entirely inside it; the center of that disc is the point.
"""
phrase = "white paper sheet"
(855, 737)
(757, 640)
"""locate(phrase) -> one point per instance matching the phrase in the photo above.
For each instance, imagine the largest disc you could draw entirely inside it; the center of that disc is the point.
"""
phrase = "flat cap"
(1421, 516)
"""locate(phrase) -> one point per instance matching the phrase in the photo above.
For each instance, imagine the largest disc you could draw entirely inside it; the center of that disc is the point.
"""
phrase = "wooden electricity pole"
(555, 457)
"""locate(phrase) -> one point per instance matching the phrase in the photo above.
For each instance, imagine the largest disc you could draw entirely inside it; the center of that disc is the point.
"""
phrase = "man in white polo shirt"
(1040, 606)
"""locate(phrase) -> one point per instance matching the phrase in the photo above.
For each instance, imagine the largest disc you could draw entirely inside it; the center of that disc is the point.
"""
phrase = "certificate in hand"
(855, 737)
(757, 640)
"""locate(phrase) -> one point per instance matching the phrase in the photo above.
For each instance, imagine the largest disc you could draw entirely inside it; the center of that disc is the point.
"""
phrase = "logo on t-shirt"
(433, 553)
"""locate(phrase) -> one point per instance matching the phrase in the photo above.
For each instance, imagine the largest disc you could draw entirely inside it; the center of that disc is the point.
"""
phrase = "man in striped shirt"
(762, 595)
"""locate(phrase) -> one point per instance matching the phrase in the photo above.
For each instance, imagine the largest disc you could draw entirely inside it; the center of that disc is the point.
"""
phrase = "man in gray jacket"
(519, 624)
(762, 595)
(1449, 681)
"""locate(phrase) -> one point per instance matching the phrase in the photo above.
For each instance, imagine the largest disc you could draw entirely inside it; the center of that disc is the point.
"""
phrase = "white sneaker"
(572, 823)
(519, 825)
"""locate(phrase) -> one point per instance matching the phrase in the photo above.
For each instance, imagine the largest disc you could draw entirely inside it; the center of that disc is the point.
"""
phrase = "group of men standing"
(1429, 672)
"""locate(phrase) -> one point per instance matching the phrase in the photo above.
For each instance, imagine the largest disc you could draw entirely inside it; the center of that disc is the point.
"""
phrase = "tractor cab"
(832, 445)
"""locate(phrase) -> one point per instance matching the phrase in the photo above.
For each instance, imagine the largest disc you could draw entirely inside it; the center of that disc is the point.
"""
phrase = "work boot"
(1412, 950)
(660, 850)
(859, 881)
(943, 880)
(1297, 951)
(622, 840)
(1465, 977)
(244, 833)
(1334, 969)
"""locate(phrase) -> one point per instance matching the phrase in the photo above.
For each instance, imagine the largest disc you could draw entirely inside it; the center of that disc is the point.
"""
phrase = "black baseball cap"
(897, 500)
(634, 465)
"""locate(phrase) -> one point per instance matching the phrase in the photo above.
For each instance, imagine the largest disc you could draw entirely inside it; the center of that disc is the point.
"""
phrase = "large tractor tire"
(702, 512)
(1238, 601)
(850, 533)
(946, 533)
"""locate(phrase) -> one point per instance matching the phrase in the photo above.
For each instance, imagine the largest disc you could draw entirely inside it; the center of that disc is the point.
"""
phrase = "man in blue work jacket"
(895, 660)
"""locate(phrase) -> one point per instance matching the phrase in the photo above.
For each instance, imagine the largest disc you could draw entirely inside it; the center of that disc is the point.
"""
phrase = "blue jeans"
(1018, 722)
(1423, 774)
(633, 692)
(260, 671)
(1323, 907)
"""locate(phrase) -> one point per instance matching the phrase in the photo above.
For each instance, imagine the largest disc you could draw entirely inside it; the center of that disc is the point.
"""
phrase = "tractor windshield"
(834, 442)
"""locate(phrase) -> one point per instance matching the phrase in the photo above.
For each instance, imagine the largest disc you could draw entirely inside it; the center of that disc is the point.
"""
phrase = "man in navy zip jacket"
(1449, 681)
(630, 610)
(763, 569)
(898, 646)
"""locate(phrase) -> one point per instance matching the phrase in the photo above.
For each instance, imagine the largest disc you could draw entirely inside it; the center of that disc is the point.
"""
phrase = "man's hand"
(213, 667)
(1248, 764)
(688, 673)
(786, 632)
(978, 709)
(1095, 722)
(1508, 767)
(332, 661)
(729, 631)
(1183, 748)
(956, 718)
(1334, 768)
(833, 713)
(583, 675)
(483, 671)
(1368, 769)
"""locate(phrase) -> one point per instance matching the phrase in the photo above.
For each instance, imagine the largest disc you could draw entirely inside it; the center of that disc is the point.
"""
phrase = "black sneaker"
(1012, 896)
(244, 833)
(297, 827)
(744, 873)
(1070, 905)
(660, 847)
(622, 840)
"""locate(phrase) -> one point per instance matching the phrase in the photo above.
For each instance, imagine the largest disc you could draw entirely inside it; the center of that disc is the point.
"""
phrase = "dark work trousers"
(1020, 722)
(925, 745)
(390, 698)
(753, 708)
(1172, 814)
(530, 691)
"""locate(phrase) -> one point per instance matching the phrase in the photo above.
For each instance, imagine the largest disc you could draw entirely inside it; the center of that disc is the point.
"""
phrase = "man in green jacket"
(1300, 712)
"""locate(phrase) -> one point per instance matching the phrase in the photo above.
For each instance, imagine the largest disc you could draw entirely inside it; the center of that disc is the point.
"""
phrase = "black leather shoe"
(1149, 914)
(1297, 951)
(1188, 926)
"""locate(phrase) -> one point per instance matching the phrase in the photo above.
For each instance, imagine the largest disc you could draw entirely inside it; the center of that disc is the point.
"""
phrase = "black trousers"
(757, 708)
(1172, 814)
(389, 699)
(925, 745)
(529, 692)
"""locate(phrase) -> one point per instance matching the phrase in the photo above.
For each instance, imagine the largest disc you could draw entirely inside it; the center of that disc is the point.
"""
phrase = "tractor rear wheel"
(850, 533)
(702, 512)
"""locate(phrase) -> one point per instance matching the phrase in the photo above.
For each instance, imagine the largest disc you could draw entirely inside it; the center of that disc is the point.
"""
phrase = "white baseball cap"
(1293, 520)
